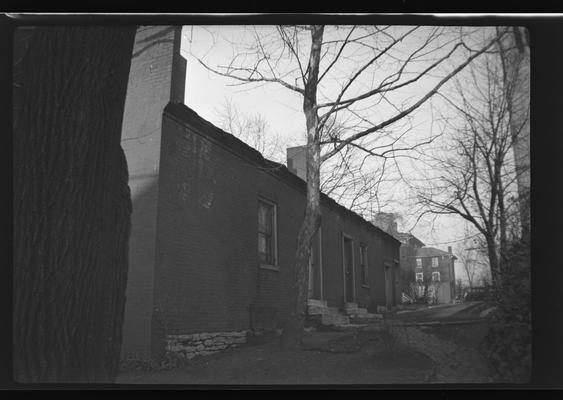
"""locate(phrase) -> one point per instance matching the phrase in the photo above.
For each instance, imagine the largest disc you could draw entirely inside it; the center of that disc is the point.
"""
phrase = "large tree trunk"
(293, 329)
(515, 57)
(71, 203)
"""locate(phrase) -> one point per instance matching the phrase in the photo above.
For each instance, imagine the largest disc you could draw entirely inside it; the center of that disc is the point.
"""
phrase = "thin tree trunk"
(71, 204)
(293, 329)
(493, 261)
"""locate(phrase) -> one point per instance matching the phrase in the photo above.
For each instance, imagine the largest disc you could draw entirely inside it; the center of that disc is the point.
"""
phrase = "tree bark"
(493, 261)
(72, 203)
(293, 329)
(515, 57)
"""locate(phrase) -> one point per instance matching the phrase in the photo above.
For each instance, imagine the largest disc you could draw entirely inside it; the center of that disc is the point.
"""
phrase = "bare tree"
(472, 262)
(477, 180)
(251, 129)
(72, 204)
(363, 75)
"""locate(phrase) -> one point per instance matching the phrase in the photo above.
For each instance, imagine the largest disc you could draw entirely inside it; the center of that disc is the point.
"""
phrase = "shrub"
(508, 342)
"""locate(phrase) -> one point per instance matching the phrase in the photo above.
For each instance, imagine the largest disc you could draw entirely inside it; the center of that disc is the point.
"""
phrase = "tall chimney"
(296, 161)
(450, 249)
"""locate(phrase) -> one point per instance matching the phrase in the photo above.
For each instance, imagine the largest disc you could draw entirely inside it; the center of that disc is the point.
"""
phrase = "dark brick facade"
(207, 274)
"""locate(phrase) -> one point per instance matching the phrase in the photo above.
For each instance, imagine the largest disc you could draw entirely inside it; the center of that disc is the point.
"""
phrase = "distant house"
(215, 224)
(427, 268)
(435, 268)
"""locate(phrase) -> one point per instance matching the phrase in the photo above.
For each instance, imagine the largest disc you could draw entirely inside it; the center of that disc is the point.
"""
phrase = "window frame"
(418, 262)
(421, 276)
(274, 235)
(364, 268)
(435, 262)
(436, 273)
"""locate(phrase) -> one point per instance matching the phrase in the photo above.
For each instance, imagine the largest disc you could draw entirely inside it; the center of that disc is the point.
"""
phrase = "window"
(419, 263)
(419, 277)
(435, 262)
(267, 246)
(436, 276)
(364, 264)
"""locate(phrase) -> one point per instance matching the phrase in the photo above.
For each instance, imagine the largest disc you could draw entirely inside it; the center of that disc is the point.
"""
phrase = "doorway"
(348, 266)
(389, 286)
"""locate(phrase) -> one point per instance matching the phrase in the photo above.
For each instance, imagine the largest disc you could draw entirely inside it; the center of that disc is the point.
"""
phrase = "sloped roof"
(432, 252)
(405, 237)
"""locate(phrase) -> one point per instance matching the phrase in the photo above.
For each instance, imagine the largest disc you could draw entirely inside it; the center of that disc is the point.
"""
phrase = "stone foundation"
(203, 344)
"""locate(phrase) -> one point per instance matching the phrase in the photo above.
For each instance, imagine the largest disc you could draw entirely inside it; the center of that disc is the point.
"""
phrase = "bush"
(509, 339)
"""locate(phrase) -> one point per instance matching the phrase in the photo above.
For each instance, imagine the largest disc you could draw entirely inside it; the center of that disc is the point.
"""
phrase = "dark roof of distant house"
(432, 252)
(405, 237)
(232, 143)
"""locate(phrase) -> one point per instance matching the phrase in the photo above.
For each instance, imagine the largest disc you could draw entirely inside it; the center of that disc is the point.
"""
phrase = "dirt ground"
(417, 356)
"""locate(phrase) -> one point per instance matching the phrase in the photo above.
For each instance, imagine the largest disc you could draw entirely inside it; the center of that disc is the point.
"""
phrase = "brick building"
(438, 266)
(215, 225)
(427, 266)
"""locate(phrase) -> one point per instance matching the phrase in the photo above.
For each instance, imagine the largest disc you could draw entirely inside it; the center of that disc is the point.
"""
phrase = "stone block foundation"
(203, 344)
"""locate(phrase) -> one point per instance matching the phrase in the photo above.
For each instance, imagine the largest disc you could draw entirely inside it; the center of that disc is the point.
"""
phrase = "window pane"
(262, 217)
(265, 214)
(262, 246)
(266, 234)
(419, 262)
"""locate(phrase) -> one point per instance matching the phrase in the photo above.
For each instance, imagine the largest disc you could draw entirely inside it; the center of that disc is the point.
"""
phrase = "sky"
(281, 108)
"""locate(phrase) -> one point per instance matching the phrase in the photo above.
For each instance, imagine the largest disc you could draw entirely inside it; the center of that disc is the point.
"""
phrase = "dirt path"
(326, 358)
(455, 362)
(333, 358)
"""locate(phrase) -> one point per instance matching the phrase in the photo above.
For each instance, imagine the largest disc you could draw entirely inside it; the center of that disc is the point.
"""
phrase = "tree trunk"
(71, 203)
(493, 261)
(293, 329)
(515, 57)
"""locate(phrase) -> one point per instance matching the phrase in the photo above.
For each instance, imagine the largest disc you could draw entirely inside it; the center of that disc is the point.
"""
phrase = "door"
(389, 286)
(348, 261)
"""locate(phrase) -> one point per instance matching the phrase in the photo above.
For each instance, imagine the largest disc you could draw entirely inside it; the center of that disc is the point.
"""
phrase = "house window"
(267, 238)
(436, 276)
(435, 262)
(419, 276)
(419, 263)
(364, 264)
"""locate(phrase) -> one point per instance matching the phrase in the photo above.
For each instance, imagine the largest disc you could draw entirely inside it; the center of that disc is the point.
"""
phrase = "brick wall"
(207, 277)
(156, 77)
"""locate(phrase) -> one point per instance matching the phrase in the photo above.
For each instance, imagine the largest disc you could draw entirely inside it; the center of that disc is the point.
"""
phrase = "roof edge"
(189, 117)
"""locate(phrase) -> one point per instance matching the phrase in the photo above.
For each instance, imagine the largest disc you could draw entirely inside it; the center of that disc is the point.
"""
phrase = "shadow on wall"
(140, 279)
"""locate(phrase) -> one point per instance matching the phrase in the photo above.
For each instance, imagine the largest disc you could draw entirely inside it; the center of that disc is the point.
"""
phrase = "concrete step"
(356, 311)
(317, 310)
(349, 327)
(350, 308)
(366, 318)
(335, 319)
(315, 302)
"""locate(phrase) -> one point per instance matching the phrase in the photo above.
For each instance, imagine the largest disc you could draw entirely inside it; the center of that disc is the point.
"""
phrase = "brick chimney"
(386, 221)
(296, 161)
(450, 249)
